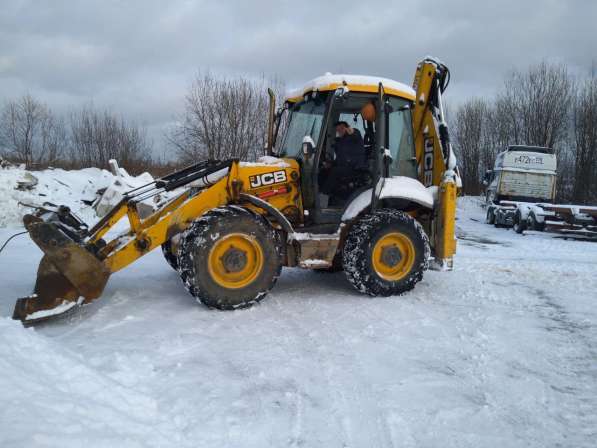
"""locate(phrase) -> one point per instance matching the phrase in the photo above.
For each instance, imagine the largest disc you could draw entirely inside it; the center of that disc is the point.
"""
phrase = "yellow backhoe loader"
(232, 225)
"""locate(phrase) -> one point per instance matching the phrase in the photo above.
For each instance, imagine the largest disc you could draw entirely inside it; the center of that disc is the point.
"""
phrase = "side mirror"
(308, 146)
(341, 93)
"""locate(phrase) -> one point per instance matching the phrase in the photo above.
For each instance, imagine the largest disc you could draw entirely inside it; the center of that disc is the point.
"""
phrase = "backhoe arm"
(435, 157)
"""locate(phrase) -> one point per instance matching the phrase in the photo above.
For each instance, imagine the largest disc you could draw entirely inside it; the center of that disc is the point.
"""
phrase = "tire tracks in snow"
(350, 409)
(580, 353)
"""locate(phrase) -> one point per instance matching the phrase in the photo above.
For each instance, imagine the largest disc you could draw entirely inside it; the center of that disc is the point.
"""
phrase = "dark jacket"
(350, 150)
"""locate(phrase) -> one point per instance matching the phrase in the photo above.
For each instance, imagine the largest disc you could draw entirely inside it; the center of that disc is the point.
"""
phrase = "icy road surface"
(501, 352)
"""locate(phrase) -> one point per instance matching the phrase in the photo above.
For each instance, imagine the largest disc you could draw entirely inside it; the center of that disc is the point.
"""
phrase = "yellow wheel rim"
(235, 260)
(393, 256)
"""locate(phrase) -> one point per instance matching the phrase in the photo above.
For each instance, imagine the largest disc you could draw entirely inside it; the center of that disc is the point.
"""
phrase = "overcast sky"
(139, 57)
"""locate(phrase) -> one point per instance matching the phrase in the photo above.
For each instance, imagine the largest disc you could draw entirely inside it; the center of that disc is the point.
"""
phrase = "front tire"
(385, 253)
(229, 258)
(170, 255)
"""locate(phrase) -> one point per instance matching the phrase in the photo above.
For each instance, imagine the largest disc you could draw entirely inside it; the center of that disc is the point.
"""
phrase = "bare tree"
(469, 141)
(533, 108)
(537, 103)
(223, 118)
(98, 136)
(584, 119)
(496, 131)
(30, 133)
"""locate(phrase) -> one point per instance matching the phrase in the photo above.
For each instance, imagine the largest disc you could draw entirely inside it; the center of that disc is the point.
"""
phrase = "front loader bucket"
(68, 274)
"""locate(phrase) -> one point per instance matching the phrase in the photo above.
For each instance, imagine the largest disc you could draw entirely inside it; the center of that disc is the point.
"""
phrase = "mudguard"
(399, 187)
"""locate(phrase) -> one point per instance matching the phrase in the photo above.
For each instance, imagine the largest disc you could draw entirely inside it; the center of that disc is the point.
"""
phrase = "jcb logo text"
(262, 180)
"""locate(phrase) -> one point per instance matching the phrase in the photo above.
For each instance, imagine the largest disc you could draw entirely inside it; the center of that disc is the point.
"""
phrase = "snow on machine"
(233, 225)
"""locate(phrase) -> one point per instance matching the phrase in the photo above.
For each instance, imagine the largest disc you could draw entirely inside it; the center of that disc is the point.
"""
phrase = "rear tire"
(229, 258)
(533, 223)
(519, 225)
(385, 253)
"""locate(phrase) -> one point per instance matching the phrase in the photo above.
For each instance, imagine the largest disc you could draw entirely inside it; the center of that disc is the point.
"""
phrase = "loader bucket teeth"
(53, 293)
(68, 275)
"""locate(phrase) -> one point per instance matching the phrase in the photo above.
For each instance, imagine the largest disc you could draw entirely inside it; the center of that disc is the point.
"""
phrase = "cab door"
(400, 140)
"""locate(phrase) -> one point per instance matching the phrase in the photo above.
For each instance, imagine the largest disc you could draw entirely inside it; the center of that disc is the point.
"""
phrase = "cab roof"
(354, 83)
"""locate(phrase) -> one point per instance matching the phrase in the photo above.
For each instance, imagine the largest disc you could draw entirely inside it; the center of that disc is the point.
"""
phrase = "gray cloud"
(139, 57)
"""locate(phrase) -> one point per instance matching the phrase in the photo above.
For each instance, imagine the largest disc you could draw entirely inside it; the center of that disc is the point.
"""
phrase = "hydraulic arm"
(435, 157)
(77, 261)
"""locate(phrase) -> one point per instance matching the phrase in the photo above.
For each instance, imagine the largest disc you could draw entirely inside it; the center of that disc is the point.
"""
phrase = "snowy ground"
(500, 352)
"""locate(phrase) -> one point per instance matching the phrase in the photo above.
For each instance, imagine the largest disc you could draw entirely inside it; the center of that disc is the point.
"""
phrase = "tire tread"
(359, 243)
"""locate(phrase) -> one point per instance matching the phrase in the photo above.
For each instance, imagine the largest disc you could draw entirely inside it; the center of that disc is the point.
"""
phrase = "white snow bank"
(61, 187)
(51, 398)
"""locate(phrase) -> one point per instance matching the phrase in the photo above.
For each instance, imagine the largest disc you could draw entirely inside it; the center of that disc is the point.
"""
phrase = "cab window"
(354, 119)
(306, 119)
(400, 139)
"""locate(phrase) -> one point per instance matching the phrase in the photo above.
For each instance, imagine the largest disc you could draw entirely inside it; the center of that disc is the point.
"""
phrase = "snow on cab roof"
(357, 83)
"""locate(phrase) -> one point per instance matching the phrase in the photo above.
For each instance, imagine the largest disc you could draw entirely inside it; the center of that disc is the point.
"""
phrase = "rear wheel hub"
(393, 256)
(234, 260)
(390, 255)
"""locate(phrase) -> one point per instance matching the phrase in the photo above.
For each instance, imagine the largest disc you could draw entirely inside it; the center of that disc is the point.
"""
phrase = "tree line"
(227, 118)
(223, 118)
(542, 106)
(31, 133)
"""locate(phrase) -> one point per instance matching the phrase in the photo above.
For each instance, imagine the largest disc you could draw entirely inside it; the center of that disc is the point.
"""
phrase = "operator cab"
(310, 138)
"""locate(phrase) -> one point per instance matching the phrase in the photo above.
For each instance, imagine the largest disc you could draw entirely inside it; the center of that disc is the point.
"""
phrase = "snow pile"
(77, 189)
(62, 402)
(121, 183)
